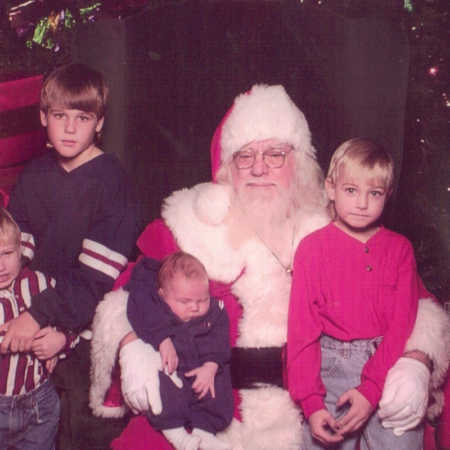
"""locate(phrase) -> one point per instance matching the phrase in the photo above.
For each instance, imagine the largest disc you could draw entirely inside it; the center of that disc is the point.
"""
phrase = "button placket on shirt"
(369, 268)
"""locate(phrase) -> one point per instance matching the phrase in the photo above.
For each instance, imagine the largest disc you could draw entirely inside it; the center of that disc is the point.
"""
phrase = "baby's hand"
(360, 410)
(323, 427)
(48, 342)
(204, 379)
(169, 357)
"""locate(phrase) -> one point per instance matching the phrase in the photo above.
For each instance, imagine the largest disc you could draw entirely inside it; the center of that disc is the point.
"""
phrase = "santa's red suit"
(251, 280)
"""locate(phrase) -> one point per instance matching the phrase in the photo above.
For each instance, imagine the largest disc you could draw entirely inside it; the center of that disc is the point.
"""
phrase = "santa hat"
(264, 112)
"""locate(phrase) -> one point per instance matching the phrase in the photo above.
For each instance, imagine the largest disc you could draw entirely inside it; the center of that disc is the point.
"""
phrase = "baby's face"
(10, 262)
(187, 298)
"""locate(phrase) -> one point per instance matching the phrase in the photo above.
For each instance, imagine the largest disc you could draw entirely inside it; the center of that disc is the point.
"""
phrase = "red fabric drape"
(21, 136)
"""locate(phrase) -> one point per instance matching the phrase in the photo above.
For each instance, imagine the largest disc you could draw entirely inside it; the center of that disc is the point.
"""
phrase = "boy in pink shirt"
(355, 289)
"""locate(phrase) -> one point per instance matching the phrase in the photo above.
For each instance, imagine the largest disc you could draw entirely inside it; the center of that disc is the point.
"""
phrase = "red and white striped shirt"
(23, 372)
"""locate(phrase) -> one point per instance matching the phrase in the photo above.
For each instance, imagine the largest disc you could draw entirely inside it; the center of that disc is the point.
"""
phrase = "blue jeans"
(342, 364)
(30, 421)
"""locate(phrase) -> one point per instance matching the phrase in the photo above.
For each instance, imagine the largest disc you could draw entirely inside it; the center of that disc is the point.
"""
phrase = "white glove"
(140, 365)
(405, 395)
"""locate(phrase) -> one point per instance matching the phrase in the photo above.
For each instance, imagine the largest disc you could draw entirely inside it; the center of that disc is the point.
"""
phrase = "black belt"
(251, 365)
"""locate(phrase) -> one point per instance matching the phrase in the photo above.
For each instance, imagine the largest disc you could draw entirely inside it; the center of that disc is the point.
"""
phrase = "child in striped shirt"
(29, 404)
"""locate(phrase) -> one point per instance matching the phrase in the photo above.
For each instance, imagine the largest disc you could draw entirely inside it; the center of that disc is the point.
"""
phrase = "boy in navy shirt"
(78, 222)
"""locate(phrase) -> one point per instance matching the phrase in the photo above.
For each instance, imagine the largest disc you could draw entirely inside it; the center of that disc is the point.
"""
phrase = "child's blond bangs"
(362, 153)
(9, 230)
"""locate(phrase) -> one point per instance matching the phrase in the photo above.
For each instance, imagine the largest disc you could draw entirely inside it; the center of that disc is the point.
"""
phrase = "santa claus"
(266, 195)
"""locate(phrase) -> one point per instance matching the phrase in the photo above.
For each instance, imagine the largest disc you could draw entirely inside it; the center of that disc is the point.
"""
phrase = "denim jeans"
(30, 421)
(342, 364)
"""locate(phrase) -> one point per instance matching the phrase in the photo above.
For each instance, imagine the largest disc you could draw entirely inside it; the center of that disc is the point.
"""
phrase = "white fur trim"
(265, 112)
(202, 239)
(109, 326)
(431, 335)
(212, 202)
(270, 420)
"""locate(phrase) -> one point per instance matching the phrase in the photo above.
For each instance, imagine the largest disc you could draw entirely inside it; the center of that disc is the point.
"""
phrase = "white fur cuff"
(109, 326)
(431, 335)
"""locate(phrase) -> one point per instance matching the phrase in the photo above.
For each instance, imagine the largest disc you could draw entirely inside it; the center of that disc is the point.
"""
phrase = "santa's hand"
(405, 395)
(140, 365)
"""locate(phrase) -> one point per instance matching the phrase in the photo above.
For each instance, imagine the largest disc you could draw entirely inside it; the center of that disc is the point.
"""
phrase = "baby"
(170, 308)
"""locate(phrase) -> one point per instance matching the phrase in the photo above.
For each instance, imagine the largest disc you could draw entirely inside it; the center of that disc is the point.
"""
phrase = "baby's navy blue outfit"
(202, 339)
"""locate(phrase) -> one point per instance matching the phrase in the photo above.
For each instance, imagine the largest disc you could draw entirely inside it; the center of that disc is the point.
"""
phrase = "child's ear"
(161, 292)
(329, 188)
(43, 118)
(99, 126)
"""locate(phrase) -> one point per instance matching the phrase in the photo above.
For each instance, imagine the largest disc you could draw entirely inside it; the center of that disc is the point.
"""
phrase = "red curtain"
(21, 135)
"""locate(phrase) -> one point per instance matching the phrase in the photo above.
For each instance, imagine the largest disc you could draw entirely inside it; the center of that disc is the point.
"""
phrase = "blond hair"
(180, 262)
(366, 154)
(75, 86)
(9, 230)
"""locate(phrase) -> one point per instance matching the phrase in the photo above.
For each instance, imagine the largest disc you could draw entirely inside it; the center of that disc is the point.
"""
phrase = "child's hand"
(323, 427)
(204, 379)
(360, 410)
(48, 342)
(169, 357)
(19, 335)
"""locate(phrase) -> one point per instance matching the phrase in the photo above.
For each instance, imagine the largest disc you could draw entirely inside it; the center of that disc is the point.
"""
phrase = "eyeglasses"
(273, 157)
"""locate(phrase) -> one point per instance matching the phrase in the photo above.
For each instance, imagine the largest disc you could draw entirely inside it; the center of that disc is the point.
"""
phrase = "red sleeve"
(401, 301)
(303, 349)
(157, 241)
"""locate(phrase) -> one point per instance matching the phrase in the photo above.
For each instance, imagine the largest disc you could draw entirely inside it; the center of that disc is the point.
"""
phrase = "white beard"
(268, 215)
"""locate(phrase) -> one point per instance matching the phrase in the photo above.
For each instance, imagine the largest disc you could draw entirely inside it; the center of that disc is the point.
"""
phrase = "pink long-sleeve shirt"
(349, 290)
